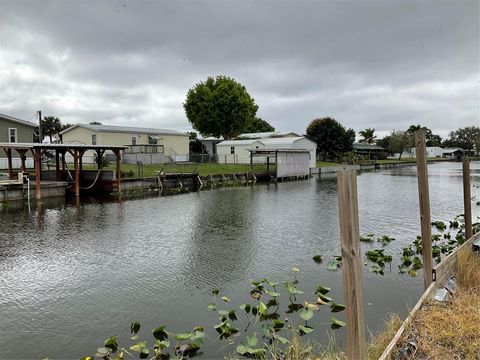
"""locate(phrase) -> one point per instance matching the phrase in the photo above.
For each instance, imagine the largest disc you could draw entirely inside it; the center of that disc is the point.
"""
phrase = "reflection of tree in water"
(220, 245)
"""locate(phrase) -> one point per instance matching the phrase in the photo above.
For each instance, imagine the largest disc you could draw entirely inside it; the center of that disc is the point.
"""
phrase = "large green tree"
(467, 138)
(220, 106)
(332, 138)
(258, 125)
(399, 141)
(367, 136)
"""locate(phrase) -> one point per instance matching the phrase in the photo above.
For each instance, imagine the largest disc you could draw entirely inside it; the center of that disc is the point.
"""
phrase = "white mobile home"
(237, 151)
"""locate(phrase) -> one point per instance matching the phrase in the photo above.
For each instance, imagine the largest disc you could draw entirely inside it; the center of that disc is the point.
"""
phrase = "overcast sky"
(382, 64)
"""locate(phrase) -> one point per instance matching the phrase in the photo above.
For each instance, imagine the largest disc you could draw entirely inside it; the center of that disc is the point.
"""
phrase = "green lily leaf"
(317, 259)
(272, 293)
(322, 290)
(305, 314)
(160, 333)
(252, 340)
(104, 350)
(334, 263)
(242, 349)
(282, 339)
(134, 327)
(212, 307)
(334, 307)
(336, 324)
(111, 343)
(164, 344)
(198, 338)
(140, 347)
(246, 308)
(305, 329)
(292, 289)
(262, 308)
(182, 336)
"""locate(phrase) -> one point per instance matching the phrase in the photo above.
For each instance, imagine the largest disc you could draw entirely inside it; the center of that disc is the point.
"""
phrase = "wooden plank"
(387, 353)
(442, 271)
(118, 172)
(424, 202)
(467, 198)
(351, 264)
(448, 265)
(38, 173)
(76, 175)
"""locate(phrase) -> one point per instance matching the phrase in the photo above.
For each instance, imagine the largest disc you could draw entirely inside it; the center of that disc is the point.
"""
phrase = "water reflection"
(74, 273)
(221, 233)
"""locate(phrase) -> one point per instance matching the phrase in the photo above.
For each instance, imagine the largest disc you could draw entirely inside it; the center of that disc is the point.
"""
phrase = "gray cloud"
(383, 64)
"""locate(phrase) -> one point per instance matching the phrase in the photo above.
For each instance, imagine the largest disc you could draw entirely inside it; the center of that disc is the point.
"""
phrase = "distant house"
(453, 153)
(237, 151)
(146, 144)
(14, 130)
(370, 151)
(438, 152)
(434, 151)
(210, 143)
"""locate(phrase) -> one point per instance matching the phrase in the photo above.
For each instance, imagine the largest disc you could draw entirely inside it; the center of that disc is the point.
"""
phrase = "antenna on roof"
(40, 132)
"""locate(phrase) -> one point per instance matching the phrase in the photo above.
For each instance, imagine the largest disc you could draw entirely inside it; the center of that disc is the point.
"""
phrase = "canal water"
(72, 275)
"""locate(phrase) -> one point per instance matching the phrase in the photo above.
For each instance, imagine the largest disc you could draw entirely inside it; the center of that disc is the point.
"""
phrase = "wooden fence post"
(467, 202)
(352, 268)
(424, 199)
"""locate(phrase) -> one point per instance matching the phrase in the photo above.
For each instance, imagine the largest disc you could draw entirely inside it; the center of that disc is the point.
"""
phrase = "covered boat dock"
(289, 163)
(39, 151)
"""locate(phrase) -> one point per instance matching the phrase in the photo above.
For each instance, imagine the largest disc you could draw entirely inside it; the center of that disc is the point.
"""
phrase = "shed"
(455, 153)
(289, 162)
(370, 151)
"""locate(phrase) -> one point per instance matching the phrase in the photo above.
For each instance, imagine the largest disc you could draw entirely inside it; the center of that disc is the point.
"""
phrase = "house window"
(134, 140)
(12, 135)
(232, 150)
(94, 139)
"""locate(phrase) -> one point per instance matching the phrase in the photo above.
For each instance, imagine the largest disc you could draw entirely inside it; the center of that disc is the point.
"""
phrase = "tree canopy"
(51, 125)
(368, 136)
(258, 125)
(467, 138)
(220, 106)
(399, 141)
(430, 138)
(331, 137)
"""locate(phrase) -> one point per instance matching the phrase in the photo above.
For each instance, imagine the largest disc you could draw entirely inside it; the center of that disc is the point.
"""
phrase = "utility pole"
(40, 132)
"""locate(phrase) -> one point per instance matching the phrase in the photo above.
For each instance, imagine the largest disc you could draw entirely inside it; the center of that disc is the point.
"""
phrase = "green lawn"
(131, 170)
(326, 164)
(407, 160)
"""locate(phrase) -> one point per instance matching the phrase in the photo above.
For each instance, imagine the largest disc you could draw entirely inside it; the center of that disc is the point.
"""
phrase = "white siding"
(293, 164)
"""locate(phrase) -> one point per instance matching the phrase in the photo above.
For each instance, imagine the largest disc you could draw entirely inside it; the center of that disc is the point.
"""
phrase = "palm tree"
(367, 136)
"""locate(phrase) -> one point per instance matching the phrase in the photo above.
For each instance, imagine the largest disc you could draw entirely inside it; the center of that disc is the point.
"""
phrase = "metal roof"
(126, 129)
(360, 146)
(20, 121)
(284, 141)
(265, 135)
(271, 151)
(59, 146)
(239, 142)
